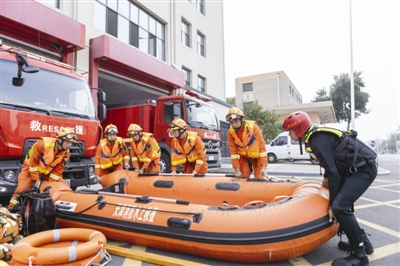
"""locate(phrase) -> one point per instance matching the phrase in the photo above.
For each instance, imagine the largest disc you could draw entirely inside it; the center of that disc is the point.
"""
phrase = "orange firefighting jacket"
(250, 144)
(106, 157)
(44, 159)
(146, 150)
(188, 152)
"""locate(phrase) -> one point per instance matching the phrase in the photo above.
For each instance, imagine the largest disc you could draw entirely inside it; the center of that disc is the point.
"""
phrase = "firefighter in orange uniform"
(111, 152)
(46, 160)
(246, 146)
(187, 149)
(145, 152)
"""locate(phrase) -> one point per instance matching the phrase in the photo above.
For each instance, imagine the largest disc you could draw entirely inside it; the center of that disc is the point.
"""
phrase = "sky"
(310, 41)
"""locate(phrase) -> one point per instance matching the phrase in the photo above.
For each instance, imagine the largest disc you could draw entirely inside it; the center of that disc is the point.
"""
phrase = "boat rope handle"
(30, 260)
(254, 204)
(294, 177)
(278, 198)
(105, 255)
(226, 206)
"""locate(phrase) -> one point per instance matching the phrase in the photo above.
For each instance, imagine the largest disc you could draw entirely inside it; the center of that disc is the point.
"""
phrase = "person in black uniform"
(350, 168)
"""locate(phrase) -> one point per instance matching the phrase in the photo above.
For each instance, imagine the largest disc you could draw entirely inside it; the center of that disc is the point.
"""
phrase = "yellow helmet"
(177, 123)
(111, 129)
(234, 113)
(67, 133)
(133, 129)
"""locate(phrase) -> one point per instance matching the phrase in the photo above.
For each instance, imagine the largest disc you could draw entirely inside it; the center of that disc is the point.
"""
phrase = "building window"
(201, 84)
(54, 3)
(131, 24)
(200, 44)
(200, 6)
(247, 87)
(185, 36)
(186, 73)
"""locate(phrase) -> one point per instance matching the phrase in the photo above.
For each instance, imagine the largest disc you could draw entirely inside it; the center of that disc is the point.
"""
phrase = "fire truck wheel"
(165, 163)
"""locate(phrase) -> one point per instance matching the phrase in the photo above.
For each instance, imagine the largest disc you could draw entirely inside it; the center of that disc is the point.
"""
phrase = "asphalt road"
(377, 211)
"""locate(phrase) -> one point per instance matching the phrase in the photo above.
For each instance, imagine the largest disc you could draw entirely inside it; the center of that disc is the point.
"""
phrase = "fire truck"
(154, 116)
(38, 96)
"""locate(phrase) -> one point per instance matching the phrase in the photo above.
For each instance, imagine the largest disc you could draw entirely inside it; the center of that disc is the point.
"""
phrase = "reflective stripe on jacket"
(49, 158)
(248, 146)
(186, 153)
(140, 148)
(111, 157)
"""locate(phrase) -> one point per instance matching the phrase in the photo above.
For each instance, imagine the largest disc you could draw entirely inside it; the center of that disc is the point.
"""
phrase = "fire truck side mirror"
(101, 95)
(102, 112)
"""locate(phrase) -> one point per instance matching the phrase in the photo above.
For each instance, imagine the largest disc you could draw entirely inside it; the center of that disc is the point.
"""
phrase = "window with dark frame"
(185, 35)
(200, 44)
(200, 6)
(247, 87)
(201, 84)
(186, 73)
(142, 30)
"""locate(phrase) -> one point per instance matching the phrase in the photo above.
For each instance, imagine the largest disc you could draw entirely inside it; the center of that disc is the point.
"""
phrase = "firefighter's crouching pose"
(47, 159)
(145, 152)
(111, 152)
(246, 146)
(187, 149)
(350, 168)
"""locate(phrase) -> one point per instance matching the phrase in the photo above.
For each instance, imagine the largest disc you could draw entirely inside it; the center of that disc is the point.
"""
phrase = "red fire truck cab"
(154, 116)
(38, 96)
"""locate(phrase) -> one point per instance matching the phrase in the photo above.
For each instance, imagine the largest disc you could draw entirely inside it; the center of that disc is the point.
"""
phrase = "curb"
(381, 172)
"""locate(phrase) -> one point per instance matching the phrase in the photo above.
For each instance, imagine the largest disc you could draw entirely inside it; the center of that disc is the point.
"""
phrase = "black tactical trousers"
(354, 186)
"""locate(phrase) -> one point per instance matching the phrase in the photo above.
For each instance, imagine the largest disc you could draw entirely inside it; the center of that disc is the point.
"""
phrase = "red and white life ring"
(34, 249)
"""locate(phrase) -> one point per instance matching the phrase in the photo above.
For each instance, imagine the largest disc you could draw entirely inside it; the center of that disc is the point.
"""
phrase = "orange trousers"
(188, 168)
(154, 166)
(101, 172)
(245, 168)
(25, 182)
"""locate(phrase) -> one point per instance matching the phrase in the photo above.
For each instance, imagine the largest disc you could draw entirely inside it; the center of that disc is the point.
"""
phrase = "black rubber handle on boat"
(183, 202)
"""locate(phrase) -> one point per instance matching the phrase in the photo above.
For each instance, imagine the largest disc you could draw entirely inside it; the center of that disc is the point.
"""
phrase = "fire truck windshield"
(46, 90)
(201, 115)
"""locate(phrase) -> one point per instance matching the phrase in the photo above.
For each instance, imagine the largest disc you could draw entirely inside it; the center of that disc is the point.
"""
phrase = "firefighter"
(46, 160)
(145, 152)
(246, 146)
(187, 149)
(110, 154)
(350, 168)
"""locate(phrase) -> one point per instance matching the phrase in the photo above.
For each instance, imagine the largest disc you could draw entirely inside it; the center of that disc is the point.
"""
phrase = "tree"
(322, 95)
(268, 122)
(339, 94)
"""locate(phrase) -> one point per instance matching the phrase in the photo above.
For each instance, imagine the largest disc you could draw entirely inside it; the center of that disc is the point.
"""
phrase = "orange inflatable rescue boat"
(214, 216)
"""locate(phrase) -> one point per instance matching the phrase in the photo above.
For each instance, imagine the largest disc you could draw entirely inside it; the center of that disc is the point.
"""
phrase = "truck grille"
(77, 149)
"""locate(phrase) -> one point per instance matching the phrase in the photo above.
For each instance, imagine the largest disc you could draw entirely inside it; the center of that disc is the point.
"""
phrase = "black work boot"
(357, 258)
(369, 249)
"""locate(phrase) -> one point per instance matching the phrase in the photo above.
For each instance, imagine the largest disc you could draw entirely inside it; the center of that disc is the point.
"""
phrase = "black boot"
(357, 258)
(369, 249)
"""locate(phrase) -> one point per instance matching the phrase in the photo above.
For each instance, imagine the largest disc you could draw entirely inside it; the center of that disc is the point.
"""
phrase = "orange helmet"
(177, 123)
(133, 129)
(299, 122)
(234, 113)
(111, 129)
(67, 133)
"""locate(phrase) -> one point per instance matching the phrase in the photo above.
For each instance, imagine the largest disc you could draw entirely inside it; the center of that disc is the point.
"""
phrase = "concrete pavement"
(286, 168)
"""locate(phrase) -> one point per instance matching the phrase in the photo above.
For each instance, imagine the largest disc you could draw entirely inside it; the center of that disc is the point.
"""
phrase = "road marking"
(379, 253)
(299, 261)
(380, 228)
(133, 262)
(142, 256)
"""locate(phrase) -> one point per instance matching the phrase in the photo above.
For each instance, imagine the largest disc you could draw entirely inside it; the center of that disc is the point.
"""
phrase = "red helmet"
(298, 121)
